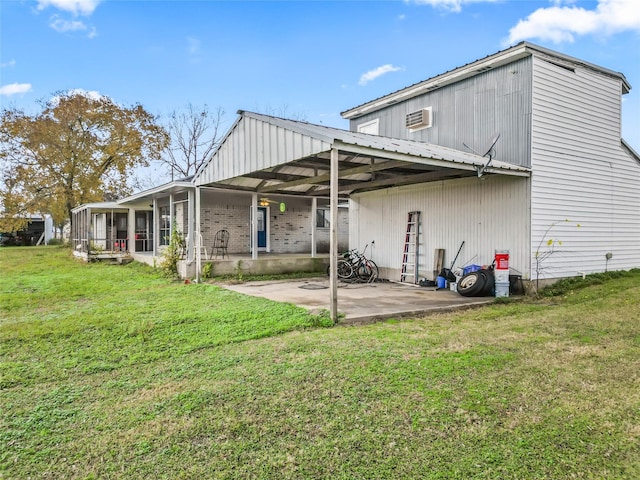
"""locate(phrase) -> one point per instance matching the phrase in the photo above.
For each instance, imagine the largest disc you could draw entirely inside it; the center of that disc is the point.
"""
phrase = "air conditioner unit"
(419, 119)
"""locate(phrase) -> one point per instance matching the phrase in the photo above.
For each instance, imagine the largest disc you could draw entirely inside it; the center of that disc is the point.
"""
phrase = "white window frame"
(326, 217)
(371, 127)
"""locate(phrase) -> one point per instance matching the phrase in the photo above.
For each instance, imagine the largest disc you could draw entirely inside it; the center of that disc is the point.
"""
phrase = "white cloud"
(15, 88)
(76, 7)
(10, 63)
(561, 23)
(61, 25)
(449, 5)
(377, 72)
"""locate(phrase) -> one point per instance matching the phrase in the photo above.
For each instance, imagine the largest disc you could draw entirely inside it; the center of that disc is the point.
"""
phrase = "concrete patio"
(362, 303)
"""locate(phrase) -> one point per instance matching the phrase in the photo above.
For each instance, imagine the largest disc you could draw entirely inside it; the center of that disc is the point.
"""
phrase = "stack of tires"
(480, 283)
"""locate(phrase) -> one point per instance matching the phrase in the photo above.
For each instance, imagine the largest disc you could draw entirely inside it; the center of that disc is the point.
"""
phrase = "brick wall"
(290, 231)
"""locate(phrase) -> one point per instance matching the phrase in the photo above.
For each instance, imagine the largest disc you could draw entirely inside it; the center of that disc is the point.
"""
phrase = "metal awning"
(272, 155)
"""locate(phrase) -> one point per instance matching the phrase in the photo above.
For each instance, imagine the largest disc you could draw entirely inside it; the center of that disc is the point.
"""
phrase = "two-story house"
(518, 151)
(578, 211)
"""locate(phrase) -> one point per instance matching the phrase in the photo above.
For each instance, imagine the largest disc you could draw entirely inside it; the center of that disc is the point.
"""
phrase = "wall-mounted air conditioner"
(419, 119)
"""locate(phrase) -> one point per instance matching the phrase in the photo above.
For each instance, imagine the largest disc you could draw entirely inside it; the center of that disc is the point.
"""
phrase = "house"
(292, 231)
(559, 118)
(518, 151)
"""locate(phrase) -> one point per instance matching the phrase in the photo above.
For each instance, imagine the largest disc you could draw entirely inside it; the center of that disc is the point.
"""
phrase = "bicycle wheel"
(367, 271)
(345, 270)
(375, 273)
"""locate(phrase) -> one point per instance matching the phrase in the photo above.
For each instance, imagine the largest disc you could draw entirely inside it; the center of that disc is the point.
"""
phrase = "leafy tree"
(80, 148)
(195, 133)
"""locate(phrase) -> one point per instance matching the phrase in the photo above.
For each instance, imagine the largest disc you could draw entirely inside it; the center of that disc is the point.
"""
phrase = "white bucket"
(502, 289)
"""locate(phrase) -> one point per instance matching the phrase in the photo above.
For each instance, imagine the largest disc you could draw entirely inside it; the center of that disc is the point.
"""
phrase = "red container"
(502, 259)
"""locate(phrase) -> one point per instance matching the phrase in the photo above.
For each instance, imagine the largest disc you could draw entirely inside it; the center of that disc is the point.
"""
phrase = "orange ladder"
(411, 248)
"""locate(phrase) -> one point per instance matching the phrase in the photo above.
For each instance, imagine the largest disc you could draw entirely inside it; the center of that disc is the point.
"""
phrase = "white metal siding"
(471, 112)
(488, 214)
(581, 174)
(254, 145)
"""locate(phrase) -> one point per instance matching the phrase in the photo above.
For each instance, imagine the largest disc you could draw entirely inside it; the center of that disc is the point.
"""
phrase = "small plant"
(207, 270)
(172, 253)
(95, 249)
(546, 248)
(239, 271)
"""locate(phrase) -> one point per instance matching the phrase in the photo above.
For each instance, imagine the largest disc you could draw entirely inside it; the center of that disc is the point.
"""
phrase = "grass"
(108, 380)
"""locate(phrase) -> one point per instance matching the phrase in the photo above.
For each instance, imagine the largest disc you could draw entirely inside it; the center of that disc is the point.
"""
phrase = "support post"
(333, 249)
(314, 223)
(254, 226)
(192, 225)
(131, 230)
(198, 236)
(89, 230)
(112, 235)
(156, 227)
(172, 214)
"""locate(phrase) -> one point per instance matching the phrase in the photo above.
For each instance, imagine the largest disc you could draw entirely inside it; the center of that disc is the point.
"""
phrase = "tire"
(490, 283)
(472, 284)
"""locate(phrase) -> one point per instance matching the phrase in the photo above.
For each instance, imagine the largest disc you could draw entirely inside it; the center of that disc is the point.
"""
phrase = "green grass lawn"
(116, 372)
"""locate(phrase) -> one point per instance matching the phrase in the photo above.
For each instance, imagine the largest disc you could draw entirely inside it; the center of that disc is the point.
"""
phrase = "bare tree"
(195, 134)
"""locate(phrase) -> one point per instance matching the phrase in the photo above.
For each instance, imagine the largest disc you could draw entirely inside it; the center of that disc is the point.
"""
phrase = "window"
(165, 226)
(369, 127)
(322, 218)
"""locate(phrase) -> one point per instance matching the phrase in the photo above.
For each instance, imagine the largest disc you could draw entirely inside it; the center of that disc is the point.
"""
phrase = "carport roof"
(266, 154)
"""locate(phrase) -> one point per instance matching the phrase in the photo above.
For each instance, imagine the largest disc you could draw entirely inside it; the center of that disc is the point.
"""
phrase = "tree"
(80, 148)
(195, 133)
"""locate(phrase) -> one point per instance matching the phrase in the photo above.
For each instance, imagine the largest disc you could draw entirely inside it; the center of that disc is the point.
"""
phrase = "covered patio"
(267, 156)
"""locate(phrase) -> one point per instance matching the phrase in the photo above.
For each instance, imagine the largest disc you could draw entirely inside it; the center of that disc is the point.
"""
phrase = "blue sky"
(305, 59)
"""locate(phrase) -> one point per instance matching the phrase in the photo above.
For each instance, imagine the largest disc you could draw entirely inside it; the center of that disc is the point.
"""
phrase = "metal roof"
(269, 154)
(159, 191)
(98, 206)
(503, 57)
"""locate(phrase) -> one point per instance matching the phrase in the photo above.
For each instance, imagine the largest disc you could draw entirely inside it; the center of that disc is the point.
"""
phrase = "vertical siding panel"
(467, 112)
(488, 214)
(581, 174)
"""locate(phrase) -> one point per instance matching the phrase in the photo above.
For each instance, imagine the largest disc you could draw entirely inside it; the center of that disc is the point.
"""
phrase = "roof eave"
(156, 191)
(498, 59)
(503, 57)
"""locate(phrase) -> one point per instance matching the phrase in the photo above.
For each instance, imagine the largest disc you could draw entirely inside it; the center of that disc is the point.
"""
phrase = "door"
(144, 231)
(262, 228)
(99, 231)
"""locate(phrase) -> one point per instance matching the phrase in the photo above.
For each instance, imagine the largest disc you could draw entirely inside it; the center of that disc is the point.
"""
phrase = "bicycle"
(355, 266)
